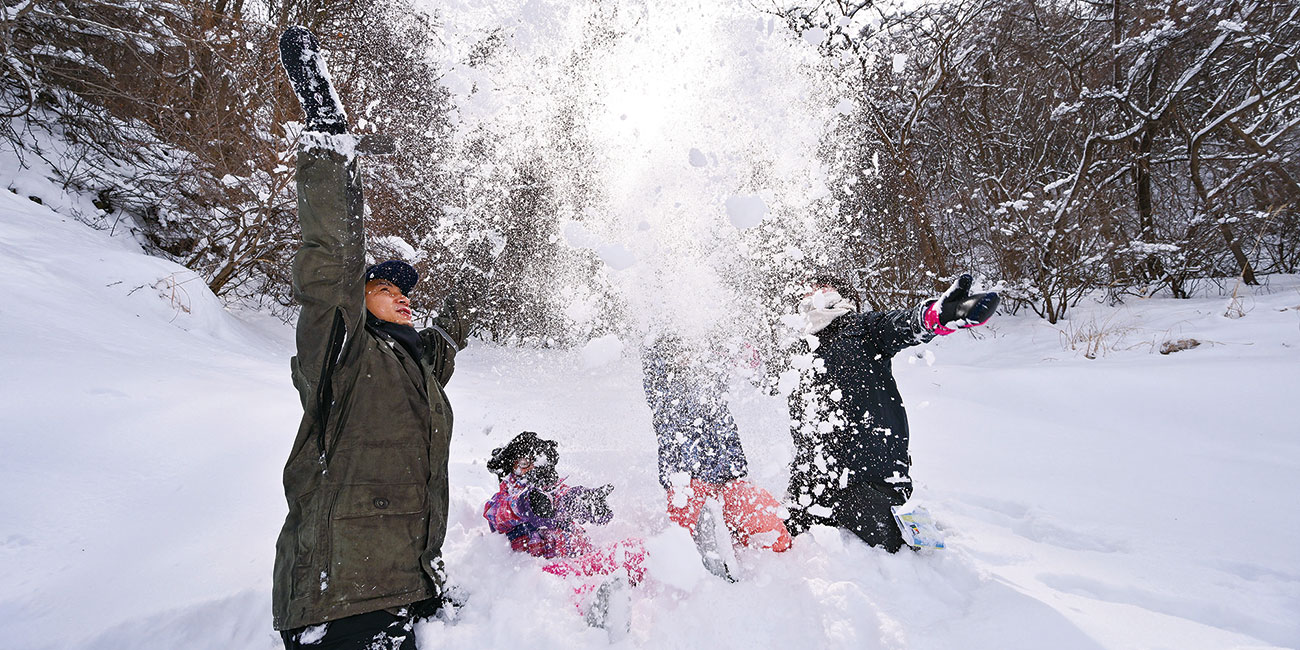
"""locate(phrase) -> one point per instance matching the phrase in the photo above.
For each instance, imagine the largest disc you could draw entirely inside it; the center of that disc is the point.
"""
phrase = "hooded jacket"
(366, 480)
(847, 417)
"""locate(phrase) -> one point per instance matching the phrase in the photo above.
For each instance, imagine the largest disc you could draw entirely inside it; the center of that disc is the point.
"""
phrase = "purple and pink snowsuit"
(561, 535)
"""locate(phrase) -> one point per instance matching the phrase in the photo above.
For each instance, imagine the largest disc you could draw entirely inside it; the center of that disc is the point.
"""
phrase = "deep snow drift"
(1134, 500)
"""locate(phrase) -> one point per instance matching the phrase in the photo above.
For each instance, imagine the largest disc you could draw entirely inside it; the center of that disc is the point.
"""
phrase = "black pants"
(370, 631)
(864, 509)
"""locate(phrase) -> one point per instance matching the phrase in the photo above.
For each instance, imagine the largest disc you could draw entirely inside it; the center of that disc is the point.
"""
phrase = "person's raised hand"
(958, 308)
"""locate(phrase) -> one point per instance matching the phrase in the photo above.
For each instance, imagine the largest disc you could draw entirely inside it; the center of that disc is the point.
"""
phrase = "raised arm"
(892, 331)
(450, 331)
(329, 266)
(957, 308)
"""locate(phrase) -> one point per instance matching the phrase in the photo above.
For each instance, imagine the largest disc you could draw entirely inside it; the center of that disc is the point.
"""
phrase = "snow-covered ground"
(1133, 500)
(1129, 500)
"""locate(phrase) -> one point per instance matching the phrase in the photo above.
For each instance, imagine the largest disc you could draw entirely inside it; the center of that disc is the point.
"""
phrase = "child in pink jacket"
(542, 515)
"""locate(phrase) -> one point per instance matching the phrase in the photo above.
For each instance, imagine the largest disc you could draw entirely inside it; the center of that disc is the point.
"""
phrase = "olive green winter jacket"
(366, 481)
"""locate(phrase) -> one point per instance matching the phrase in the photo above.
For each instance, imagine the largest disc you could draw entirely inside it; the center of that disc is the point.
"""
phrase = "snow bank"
(1133, 500)
(143, 426)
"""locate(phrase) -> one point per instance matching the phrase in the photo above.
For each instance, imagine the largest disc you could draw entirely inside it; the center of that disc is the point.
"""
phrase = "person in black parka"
(849, 426)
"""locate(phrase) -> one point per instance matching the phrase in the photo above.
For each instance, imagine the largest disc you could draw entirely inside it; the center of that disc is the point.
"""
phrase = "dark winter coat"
(366, 480)
(848, 422)
(696, 433)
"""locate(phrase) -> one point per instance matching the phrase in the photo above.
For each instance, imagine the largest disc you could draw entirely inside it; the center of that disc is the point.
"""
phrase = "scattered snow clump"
(745, 211)
(390, 245)
(616, 256)
(601, 351)
(815, 36)
(578, 236)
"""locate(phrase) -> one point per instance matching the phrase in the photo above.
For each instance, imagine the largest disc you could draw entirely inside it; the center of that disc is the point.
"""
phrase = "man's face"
(387, 303)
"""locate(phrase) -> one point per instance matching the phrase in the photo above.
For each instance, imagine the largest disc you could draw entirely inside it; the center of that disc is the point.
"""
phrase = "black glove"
(427, 608)
(447, 602)
(959, 308)
(595, 505)
(446, 597)
(541, 504)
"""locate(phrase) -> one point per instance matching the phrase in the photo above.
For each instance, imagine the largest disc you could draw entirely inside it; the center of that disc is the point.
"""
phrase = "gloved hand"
(427, 608)
(442, 605)
(594, 504)
(541, 504)
(958, 308)
(446, 598)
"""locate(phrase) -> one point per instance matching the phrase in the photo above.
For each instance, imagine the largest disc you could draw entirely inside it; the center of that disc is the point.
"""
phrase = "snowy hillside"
(1134, 500)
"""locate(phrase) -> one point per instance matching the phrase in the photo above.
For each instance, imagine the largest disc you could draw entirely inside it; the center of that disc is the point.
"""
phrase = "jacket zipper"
(325, 387)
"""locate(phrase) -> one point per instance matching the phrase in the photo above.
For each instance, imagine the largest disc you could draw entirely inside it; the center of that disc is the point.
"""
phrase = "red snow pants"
(749, 512)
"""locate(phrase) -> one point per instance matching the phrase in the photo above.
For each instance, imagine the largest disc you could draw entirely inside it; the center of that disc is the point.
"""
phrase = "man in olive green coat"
(366, 480)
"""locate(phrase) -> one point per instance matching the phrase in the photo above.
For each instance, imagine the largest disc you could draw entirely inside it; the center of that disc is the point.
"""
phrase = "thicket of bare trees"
(1062, 147)
(1054, 147)
(173, 114)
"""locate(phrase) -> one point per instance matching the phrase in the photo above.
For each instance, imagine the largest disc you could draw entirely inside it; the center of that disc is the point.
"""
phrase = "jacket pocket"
(378, 534)
(306, 538)
(369, 500)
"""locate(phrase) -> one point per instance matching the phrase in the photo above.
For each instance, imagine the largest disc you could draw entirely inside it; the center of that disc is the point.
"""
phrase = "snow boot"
(610, 609)
(301, 56)
(714, 542)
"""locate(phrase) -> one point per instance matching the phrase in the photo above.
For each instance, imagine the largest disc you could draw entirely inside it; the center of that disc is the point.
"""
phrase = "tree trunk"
(1247, 271)
(1154, 267)
(932, 256)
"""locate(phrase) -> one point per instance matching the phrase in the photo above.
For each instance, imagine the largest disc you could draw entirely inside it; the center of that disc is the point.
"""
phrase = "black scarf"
(403, 334)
